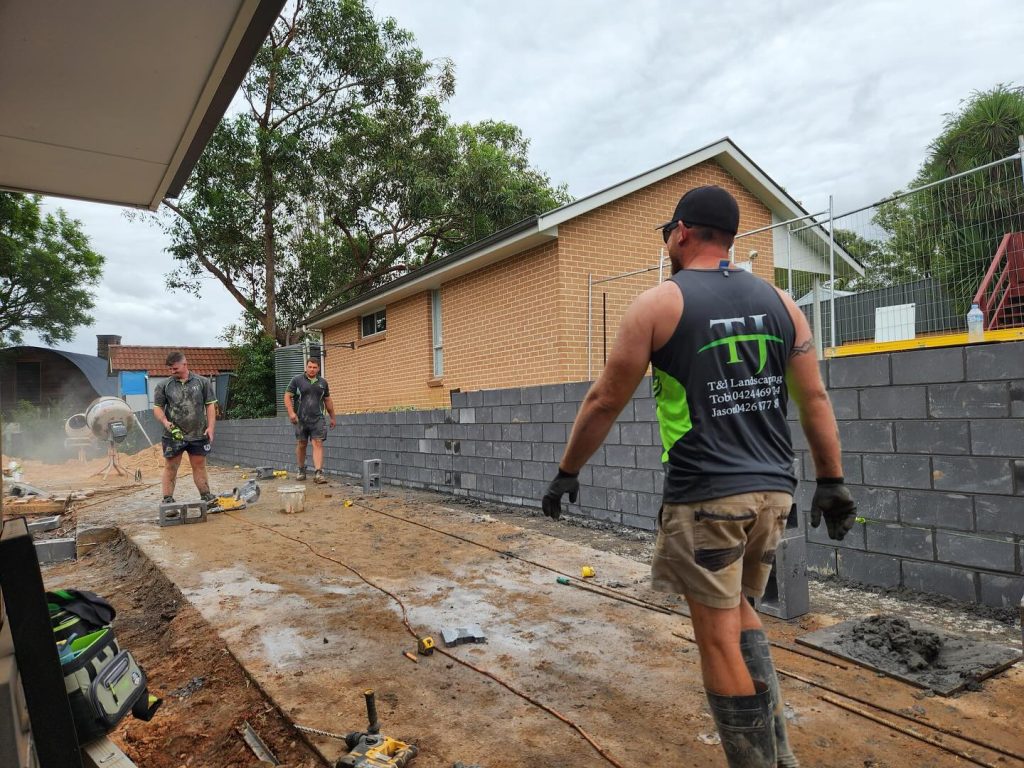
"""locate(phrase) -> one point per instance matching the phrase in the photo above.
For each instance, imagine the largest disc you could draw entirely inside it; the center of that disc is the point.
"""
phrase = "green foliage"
(46, 272)
(252, 388)
(344, 172)
(951, 231)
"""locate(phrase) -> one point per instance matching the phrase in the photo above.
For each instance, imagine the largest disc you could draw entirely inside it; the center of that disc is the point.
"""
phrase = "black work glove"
(833, 500)
(564, 482)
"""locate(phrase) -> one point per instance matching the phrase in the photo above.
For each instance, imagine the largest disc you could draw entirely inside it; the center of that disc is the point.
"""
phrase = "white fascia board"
(433, 279)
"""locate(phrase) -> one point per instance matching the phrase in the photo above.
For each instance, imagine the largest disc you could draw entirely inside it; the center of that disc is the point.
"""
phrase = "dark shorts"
(174, 448)
(311, 430)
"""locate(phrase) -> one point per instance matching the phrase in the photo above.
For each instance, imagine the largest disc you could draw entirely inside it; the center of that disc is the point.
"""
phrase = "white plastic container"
(975, 325)
(293, 497)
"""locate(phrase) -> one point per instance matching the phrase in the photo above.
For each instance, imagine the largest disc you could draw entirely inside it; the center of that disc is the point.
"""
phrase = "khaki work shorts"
(712, 550)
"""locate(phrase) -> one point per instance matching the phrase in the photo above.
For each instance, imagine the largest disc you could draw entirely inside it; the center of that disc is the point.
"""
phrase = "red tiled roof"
(205, 361)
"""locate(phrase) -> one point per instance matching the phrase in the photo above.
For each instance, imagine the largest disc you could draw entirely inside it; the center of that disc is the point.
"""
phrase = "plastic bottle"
(975, 325)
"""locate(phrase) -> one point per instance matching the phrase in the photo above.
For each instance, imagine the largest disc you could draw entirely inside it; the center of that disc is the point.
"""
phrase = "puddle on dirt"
(923, 655)
(282, 647)
(230, 582)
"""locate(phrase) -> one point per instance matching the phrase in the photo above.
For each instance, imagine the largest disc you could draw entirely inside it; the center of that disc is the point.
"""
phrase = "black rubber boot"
(757, 653)
(745, 727)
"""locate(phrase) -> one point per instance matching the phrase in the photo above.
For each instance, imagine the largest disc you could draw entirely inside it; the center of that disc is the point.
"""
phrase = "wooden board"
(18, 506)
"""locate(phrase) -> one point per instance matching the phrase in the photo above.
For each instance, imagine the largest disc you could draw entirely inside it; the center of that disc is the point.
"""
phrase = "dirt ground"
(318, 607)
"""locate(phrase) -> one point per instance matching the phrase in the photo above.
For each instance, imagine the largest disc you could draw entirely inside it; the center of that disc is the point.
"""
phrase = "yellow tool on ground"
(281, 473)
(425, 646)
(587, 572)
(372, 749)
(228, 502)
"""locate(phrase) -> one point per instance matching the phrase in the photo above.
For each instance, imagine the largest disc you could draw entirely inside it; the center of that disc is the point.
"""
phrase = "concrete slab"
(55, 550)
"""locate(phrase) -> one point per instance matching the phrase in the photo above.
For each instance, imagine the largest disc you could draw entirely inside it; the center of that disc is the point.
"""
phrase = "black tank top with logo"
(720, 387)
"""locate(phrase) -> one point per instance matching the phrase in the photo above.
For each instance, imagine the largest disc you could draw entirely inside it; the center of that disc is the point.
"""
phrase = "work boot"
(301, 474)
(318, 477)
(745, 727)
(757, 653)
(168, 500)
(208, 497)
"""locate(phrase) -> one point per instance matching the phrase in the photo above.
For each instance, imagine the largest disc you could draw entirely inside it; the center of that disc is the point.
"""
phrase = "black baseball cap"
(709, 206)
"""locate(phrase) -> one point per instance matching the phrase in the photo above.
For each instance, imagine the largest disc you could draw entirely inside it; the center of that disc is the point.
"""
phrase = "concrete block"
(939, 510)
(901, 540)
(540, 412)
(510, 397)
(978, 400)
(1004, 437)
(532, 433)
(928, 366)
(845, 404)
(535, 470)
(643, 522)
(893, 403)
(853, 469)
(55, 550)
(564, 412)
(868, 568)
(995, 361)
(1001, 591)
(638, 480)
(530, 395)
(576, 391)
(1017, 399)
(635, 433)
(786, 595)
(620, 455)
(519, 414)
(522, 451)
(545, 452)
(940, 579)
(821, 559)
(492, 397)
(465, 415)
(949, 437)
(511, 468)
(897, 471)
(981, 552)
(866, 436)
(500, 450)
(371, 476)
(645, 409)
(614, 436)
(859, 371)
(483, 415)
(626, 414)
(872, 503)
(42, 524)
(1018, 476)
(625, 502)
(501, 414)
(554, 433)
(182, 513)
(1001, 514)
(648, 504)
(649, 457)
(593, 497)
(552, 393)
(973, 475)
(607, 477)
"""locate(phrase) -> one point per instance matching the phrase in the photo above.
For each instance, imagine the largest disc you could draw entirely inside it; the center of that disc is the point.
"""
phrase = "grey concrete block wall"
(940, 433)
(933, 452)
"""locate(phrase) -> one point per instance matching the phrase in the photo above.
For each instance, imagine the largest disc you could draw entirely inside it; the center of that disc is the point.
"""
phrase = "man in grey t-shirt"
(187, 407)
(307, 399)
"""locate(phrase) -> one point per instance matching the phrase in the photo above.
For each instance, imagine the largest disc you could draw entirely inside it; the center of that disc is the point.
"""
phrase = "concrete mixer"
(109, 419)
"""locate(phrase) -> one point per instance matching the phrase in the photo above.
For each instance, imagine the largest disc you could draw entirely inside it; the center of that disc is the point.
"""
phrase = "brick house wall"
(523, 320)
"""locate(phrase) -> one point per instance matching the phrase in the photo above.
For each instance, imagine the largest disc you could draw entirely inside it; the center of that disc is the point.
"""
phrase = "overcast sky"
(834, 97)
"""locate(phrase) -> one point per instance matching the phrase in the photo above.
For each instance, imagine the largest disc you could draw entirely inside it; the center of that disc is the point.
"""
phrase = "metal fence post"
(831, 274)
(590, 326)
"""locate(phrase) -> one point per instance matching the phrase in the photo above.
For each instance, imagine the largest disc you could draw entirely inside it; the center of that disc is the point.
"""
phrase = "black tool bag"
(92, 609)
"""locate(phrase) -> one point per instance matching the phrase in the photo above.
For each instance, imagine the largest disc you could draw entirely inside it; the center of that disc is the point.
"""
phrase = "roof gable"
(530, 232)
(206, 361)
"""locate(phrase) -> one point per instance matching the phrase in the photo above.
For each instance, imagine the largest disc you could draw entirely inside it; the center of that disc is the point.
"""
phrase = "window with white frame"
(375, 322)
(435, 326)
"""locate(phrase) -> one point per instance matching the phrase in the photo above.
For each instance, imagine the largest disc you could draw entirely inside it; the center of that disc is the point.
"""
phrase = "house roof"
(114, 101)
(533, 231)
(93, 368)
(206, 361)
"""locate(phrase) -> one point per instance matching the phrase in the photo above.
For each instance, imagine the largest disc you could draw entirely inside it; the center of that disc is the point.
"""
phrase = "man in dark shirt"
(726, 348)
(314, 400)
(187, 407)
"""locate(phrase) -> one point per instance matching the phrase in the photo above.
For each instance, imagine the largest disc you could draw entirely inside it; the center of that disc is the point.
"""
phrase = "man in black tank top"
(726, 349)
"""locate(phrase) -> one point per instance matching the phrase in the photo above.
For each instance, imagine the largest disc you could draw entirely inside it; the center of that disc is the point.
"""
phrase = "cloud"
(835, 98)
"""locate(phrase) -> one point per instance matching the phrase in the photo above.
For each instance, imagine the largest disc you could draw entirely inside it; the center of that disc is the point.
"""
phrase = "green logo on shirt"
(762, 340)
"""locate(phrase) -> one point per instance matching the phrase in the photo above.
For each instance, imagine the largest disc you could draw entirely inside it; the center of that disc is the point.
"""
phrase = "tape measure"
(425, 646)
